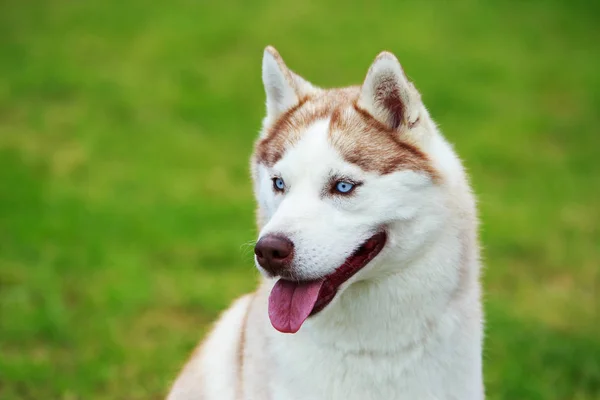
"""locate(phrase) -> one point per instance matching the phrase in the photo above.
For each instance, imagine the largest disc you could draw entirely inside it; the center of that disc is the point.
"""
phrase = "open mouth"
(292, 302)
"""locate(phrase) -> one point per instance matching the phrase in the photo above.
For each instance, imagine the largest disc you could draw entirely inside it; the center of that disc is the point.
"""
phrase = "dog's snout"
(274, 253)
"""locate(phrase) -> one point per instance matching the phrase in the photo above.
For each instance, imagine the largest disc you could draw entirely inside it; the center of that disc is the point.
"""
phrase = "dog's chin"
(292, 300)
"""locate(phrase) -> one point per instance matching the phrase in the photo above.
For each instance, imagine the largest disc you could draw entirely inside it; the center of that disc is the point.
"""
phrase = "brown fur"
(290, 126)
(388, 94)
(258, 357)
(241, 352)
(360, 138)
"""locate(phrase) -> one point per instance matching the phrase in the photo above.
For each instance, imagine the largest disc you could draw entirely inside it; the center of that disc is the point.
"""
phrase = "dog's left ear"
(387, 94)
(284, 89)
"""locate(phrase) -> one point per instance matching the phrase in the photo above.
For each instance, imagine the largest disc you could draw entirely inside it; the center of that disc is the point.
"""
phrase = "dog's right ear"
(387, 94)
(284, 89)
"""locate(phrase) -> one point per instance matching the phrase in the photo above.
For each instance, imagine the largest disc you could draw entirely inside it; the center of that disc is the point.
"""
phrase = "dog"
(368, 251)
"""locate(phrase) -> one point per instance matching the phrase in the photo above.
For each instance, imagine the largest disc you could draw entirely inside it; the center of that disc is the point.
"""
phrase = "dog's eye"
(344, 187)
(278, 184)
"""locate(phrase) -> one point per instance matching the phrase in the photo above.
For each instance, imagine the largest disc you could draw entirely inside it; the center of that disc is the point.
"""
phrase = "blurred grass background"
(125, 201)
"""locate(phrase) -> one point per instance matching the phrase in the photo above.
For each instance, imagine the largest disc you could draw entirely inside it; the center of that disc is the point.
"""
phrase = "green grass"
(125, 202)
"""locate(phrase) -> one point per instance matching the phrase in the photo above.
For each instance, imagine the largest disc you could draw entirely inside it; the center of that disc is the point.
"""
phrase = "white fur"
(283, 88)
(407, 326)
(281, 95)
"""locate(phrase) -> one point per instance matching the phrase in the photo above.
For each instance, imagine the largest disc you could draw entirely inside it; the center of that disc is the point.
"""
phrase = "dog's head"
(345, 184)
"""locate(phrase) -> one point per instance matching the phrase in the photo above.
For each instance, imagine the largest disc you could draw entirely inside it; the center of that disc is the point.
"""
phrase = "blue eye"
(278, 184)
(344, 187)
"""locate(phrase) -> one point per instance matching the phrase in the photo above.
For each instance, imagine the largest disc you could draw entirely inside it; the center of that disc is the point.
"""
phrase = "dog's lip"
(359, 259)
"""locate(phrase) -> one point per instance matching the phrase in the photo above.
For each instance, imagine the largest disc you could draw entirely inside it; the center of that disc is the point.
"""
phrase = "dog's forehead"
(356, 136)
(313, 155)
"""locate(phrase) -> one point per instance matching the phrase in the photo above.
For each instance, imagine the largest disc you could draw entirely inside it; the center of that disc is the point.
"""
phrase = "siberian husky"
(368, 250)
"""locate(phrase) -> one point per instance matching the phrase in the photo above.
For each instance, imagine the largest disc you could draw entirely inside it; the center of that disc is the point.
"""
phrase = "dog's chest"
(304, 374)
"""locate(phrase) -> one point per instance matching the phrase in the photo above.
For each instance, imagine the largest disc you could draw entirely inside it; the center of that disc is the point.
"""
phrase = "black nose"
(274, 253)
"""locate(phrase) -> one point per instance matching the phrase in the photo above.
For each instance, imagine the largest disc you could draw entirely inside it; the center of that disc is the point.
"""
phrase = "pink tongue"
(290, 303)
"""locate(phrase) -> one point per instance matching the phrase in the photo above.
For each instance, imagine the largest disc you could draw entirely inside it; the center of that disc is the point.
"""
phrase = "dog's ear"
(284, 89)
(387, 94)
